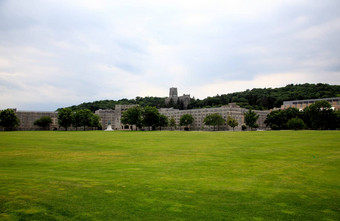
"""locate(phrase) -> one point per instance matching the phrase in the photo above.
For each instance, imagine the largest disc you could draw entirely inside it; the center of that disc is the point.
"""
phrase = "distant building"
(231, 110)
(114, 116)
(301, 104)
(27, 119)
(177, 100)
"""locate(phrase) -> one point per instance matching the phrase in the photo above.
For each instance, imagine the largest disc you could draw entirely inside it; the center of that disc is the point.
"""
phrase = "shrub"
(296, 124)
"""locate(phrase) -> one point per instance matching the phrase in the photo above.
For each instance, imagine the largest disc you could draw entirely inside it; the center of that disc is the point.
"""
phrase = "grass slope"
(277, 175)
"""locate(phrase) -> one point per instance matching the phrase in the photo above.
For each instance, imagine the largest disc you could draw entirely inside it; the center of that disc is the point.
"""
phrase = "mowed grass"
(168, 175)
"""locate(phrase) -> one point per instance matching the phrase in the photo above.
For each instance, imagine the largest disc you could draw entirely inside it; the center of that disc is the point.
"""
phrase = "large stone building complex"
(301, 104)
(113, 117)
(231, 110)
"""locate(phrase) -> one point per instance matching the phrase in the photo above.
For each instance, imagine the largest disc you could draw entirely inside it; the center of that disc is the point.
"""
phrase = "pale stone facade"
(114, 116)
(27, 119)
(301, 104)
(231, 110)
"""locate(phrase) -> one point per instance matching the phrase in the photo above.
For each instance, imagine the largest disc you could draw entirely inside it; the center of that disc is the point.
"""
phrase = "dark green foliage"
(8, 119)
(268, 98)
(163, 121)
(250, 119)
(43, 122)
(110, 104)
(95, 121)
(186, 120)
(296, 124)
(82, 118)
(133, 116)
(277, 120)
(150, 117)
(232, 122)
(214, 120)
(65, 117)
(172, 123)
(320, 116)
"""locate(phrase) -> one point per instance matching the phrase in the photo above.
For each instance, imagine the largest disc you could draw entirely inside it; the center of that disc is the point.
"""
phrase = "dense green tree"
(8, 119)
(277, 120)
(250, 119)
(95, 121)
(296, 124)
(150, 117)
(172, 123)
(65, 117)
(214, 120)
(82, 118)
(44, 122)
(133, 116)
(186, 120)
(320, 115)
(232, 122)
(163, 121)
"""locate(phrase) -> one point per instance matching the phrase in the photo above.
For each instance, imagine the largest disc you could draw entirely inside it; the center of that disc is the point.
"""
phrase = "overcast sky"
(60, 53)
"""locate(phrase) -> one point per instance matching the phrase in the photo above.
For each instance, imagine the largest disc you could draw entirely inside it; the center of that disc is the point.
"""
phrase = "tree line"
(256, 99)
(151, 118)
(317, 116)
(79, 118)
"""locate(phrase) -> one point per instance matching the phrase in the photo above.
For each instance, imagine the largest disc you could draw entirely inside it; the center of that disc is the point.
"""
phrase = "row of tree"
(144, 117)
(79, 118)
(319, 115)
(256, 99)
(151, 118)
(138, 116)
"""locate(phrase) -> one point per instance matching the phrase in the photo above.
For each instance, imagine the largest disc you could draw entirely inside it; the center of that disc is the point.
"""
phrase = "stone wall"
(27, 119)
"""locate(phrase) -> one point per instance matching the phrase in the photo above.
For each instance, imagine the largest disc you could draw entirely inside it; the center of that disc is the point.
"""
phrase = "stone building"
(27, 119)
(114, 117)
(175, 99)
(231, 110)
(301, 104)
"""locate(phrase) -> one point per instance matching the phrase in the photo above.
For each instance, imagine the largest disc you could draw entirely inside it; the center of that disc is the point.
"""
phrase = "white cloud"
(55, 54)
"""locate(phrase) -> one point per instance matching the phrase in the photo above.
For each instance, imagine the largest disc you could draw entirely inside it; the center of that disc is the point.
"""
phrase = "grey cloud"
(117, 50)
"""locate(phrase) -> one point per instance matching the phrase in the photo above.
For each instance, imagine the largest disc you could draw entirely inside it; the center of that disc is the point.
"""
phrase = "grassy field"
(282, 175)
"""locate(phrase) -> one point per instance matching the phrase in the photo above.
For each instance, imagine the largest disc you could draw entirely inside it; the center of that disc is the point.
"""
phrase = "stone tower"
(173, 92)
(176, 100)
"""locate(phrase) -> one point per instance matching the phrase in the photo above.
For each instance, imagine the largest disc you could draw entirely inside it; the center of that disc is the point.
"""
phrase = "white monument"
(109, 127)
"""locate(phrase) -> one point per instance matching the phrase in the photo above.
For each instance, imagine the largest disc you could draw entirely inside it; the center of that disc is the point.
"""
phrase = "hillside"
(257, 98)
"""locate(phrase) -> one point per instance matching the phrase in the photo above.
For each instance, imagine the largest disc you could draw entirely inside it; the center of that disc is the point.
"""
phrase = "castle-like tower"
(173, 96)
(173, 92)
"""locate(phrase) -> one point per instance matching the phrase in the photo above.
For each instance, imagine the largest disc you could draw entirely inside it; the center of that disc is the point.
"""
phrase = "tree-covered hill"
(268, 98)
(257, 98)
(110, 104)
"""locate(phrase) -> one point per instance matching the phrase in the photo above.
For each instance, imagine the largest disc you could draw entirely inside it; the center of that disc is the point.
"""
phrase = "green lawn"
(273, 175)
